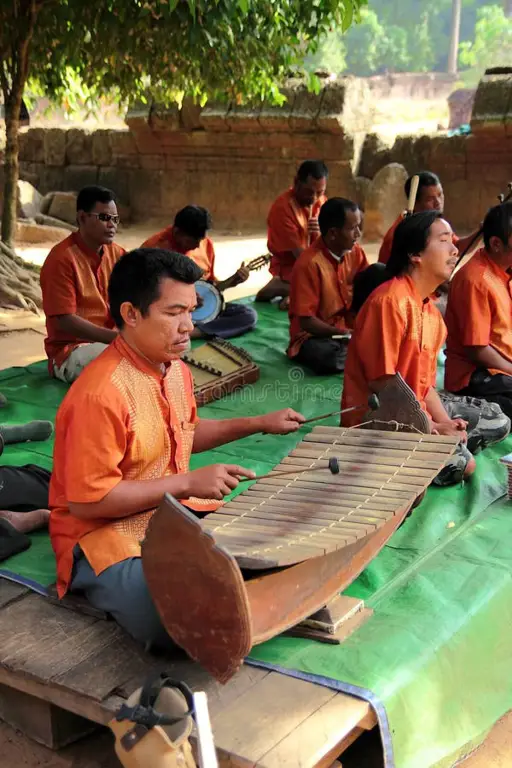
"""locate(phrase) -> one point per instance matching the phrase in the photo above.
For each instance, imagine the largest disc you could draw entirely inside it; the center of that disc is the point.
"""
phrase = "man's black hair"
(498, 223)
(89, 196)
(410, 237)
(137, 275)
(426, 179)
(315, 168)
(334, 212)
(194, 221)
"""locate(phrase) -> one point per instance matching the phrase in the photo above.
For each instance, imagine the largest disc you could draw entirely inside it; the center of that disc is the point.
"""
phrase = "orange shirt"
(387, 243)
(479, 314)
(287, 230)
(74, 281)
(119, 421)
(396, 331)
(203, 255)
(322, 287)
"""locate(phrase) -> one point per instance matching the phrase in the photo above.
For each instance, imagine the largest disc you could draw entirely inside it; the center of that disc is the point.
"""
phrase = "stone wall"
(473, 168)
(232, 160)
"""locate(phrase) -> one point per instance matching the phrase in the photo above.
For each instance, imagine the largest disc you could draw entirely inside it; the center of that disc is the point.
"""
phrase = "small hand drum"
(213, 302)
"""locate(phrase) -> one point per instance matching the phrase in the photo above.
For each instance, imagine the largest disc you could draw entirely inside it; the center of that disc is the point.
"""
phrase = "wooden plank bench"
(62, 673)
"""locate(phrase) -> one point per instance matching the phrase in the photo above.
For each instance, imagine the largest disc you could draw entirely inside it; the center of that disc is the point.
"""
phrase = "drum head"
(212, 302)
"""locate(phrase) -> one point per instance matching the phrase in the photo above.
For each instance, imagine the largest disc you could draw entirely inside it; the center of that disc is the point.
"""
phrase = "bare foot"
(284, 304)
(25, 522)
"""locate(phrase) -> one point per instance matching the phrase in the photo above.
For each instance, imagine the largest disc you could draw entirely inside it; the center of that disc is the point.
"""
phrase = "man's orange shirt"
(479, 314)
(322, 287)
(396, 331)
(74, 281)
(203, 255)
(119, 421)
(287, 230)
(387, 243)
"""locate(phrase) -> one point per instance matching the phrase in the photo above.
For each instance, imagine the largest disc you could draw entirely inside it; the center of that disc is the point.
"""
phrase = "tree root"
(19, 286)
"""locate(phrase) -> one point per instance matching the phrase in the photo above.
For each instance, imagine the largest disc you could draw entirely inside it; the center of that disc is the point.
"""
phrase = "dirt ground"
(21, 343)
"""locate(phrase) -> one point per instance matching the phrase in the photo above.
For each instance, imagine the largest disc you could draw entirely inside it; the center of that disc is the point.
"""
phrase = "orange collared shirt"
(119, 421)
(387, 243)
(287, 230)
(479, 314)
(396, 331)
(203, 255)
(74, 281)
(322, 287)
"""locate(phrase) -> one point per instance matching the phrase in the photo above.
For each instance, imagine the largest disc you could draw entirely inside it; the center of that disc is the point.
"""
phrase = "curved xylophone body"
(286, 546)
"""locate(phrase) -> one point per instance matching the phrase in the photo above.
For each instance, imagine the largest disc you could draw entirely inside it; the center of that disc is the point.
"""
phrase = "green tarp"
(434, 659)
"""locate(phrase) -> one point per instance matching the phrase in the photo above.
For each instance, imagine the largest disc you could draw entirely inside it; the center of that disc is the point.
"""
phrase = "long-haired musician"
(479, 317)
(189, 236)
(400, 330)
(124, 435)
(292, 225)
(430, 197)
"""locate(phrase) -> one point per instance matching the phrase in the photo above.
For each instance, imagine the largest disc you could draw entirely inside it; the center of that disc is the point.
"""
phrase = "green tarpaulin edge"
(434, 658)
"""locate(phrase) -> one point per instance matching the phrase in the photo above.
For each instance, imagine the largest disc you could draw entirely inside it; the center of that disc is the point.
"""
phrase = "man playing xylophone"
(188, 235)
(123, 438)
(292, 225)
(400, 330)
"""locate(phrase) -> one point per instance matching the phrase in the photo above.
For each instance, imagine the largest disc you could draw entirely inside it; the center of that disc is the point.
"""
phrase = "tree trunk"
(454, 37)
(11, 166)
(507, 7)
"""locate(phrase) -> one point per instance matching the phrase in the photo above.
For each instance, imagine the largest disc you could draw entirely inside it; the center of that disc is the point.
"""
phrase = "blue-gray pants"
(234, 320)
(121, 591)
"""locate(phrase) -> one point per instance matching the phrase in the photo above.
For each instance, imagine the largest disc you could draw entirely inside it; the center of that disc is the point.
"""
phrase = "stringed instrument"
(211, 301)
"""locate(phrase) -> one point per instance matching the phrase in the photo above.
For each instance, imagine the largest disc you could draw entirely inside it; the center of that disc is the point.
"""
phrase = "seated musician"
(74, 280)
(479, 317)
(398, 329)
(292, 225)
(188, 235)
(430, 197)
(123, 438)
(321, 289)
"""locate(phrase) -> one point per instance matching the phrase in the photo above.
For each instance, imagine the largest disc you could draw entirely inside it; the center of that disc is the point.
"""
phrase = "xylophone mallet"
(373, 403)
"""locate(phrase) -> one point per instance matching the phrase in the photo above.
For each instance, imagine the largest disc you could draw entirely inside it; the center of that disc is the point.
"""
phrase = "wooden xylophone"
(219, 368)
(288, 544)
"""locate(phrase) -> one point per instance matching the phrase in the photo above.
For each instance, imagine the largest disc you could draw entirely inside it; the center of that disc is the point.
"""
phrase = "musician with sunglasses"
(74, 282)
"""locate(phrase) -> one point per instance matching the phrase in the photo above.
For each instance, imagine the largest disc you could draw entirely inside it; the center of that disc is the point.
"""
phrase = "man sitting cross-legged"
(398, 329)
(479, 317)
(321, 289)
(123, 438)
(188, 235)
(74, 280)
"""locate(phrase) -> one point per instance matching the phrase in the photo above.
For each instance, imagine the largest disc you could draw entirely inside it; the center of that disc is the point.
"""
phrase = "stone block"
(138, 115)
(145, 193)
(78, 147)
(54, 146)
(46, 203)
(164, 118)
(32, 145)
(78, 176)
(29, 200)
(341, 181)
(306, 108)
(148, 142)
(190, 115)
(493, 101)
(122, 143)
(101, 147)
(274, 118)
(375, 154)
(362, 187)
(28, 232)
(125, 161)
(30, 172)
(118, 180)
(152, 162)
(51, 177)
(244, 118)
(385, 200)
(214, 117)
(63, 206)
